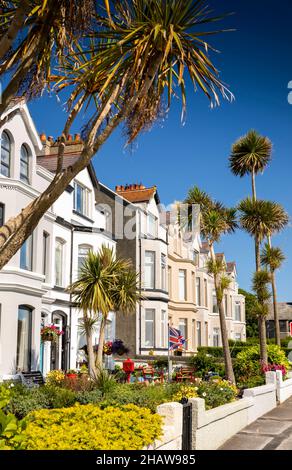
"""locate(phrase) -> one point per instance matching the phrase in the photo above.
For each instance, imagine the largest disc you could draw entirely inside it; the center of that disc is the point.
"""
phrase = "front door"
(58, 349)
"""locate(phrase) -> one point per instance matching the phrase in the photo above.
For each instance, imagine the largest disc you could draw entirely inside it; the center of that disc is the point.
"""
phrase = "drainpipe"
(70, 298)
(140, 289)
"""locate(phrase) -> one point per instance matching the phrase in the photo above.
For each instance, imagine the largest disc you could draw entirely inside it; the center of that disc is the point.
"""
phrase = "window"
(198, 291)
(2, 214)
(215, 306)
(83, 251)
(196, 257)
(151, 225)
(199, 334)
(5, 154)
(46, 237)
(26, 254)
(59, 263)
(183, 328)
(237, 311)
(149, 328)
(206, 292)
(182, 288)
(23, 353)
(24, 164)
(226, 305)
(169, 279)
(163, 272)
(237, 337)
(163, 331)
(149, 280)
(216, 337)
(81, 199)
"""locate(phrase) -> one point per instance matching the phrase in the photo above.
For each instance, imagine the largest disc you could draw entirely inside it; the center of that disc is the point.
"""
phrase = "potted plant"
(71, 374)
(50, 333)
(108, 348)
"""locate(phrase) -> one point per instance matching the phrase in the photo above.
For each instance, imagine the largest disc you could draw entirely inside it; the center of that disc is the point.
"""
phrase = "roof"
(230, 267)
(284, 311)
(49, 162)
(220, 256)
(139, 195)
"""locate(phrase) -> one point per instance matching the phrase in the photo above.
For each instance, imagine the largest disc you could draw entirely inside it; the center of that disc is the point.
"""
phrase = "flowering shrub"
(88, 427)
(55, 378)
(247, 363)
(216, 392)
(274, 368)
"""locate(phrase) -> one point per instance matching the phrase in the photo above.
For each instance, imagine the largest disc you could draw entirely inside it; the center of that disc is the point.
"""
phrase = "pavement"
(272, 431)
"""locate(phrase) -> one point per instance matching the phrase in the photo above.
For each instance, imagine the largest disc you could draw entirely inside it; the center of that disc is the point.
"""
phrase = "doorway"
(59, 349)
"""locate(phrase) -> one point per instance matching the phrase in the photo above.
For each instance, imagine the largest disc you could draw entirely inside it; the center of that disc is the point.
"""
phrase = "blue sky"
(256, 62)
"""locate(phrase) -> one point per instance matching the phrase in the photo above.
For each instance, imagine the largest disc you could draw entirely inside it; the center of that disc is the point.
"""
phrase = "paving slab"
(267, 427)
(286, 444)
(280, 413)
(243, 441)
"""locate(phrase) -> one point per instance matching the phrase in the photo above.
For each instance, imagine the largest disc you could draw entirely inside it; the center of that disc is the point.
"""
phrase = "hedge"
(88, 427)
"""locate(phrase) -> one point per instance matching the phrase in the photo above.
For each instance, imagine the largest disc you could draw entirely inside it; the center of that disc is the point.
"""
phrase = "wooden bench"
(185, 374)
(150, 374)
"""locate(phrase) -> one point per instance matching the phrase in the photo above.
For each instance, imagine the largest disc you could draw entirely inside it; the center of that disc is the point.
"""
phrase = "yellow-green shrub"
(87, 427)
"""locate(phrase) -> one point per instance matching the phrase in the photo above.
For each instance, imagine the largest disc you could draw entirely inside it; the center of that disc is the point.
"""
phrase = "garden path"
(272, 431)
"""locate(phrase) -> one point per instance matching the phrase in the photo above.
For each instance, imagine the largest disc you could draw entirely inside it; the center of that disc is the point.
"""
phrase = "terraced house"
(33, 284)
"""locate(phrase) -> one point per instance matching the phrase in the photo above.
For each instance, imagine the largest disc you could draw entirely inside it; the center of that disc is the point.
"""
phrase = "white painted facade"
(36, 289)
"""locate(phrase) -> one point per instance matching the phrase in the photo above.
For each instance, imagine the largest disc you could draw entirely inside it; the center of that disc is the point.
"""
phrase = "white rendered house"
(33, 284)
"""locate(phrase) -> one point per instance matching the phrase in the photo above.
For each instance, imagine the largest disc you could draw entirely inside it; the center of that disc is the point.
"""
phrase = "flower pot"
(48, 337)
(71, 376)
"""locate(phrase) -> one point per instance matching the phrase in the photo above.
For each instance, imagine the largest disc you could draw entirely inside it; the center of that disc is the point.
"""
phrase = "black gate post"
(187, 427)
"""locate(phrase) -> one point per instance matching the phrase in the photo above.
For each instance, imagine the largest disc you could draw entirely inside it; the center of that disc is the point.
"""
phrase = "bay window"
(149, 271)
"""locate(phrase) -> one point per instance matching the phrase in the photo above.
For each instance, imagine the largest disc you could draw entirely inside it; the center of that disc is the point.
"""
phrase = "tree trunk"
(16, 24)
(253, 184)
(90, 352)
(223, 327)
(257, 254)
(99, 362)
(276, 315)
(263, 340)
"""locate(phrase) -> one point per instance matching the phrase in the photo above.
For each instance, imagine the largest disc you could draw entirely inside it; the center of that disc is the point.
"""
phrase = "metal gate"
(187, 427)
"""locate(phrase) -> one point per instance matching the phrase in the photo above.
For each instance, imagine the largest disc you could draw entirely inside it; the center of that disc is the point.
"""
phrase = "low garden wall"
(172, 414)
(283, 387)
(211, 428)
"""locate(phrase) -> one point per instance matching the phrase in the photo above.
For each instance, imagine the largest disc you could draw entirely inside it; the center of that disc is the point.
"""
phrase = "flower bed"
(89, 427)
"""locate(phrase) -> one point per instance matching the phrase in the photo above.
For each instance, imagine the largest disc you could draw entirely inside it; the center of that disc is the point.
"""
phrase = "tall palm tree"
(272, 258)
(261, 280)
(105, 284)
(216, 220)
(118, 73)
(250, 155)
(260, 218)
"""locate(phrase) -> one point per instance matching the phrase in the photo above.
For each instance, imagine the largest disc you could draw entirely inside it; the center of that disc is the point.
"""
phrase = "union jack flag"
(176, 340)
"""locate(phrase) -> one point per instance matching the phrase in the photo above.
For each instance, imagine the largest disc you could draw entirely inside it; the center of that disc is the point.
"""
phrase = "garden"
(73, 411)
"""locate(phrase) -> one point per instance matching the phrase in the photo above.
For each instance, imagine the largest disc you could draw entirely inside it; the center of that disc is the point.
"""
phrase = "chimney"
(69, 138)
(118, 188)
(77, 137)
(122, 188)
(43, 137)
(51, 139)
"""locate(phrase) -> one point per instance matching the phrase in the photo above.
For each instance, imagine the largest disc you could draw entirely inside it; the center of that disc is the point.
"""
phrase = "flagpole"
(168, 353)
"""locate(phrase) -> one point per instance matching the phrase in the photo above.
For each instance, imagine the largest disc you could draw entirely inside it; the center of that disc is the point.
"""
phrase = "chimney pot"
(118, 188)
(77, 137)
(43, 137)
(69, 137)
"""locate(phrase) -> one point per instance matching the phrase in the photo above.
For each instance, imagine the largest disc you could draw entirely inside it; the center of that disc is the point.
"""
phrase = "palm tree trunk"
(276, 315)
(253, 184)
(263, 340)
(223, 327)
(257, 254)
(91, 358)
(99, 362)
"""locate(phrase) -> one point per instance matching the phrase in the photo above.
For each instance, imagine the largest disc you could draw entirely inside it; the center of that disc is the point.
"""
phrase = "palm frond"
(251, 153)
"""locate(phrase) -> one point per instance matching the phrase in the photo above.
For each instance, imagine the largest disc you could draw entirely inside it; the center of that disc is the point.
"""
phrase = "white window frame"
(61, 243)
(151, 225)
(163, 329)
(237, 311)
(182, 285)
(149, 268)
(86, 208)
(198, 291)
(216, 334)
(151, 312)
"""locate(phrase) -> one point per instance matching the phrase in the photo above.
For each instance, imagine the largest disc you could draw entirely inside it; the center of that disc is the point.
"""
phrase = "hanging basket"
(50, 334)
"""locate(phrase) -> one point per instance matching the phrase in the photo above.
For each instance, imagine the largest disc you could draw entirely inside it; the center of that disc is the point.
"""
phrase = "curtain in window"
(23, 356)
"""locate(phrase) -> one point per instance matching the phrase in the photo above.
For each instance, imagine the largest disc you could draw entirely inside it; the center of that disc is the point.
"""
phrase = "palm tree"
(260, 219)
(250, 155)
(105, 284)
(272, 258)
(34, 35)
(118, 73)
(260, 283)
(216, 220)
